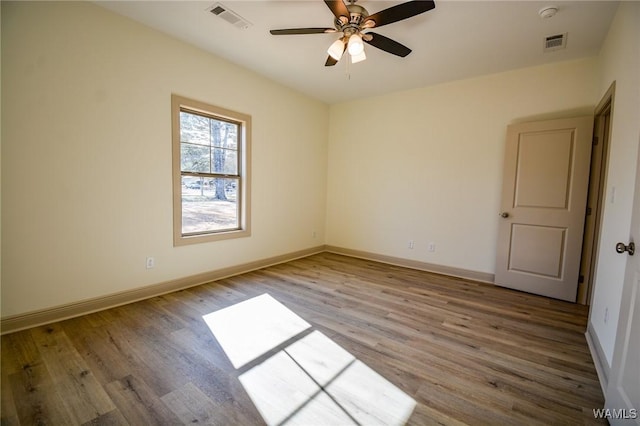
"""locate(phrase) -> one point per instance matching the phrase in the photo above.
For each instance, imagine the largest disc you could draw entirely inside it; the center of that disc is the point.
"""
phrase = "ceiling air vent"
(555, 42)
(228, 15)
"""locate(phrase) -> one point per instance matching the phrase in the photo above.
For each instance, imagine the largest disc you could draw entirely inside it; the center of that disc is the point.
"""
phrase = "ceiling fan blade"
(400, 12)
(291, 31)
(338, 8)
(330, 61)
(386, 44)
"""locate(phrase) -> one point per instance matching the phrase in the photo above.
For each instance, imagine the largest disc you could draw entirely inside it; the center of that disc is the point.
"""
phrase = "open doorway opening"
(595, 200)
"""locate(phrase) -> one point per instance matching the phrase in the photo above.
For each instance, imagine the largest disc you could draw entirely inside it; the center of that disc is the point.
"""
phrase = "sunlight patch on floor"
(251, 328)
(312, 380)
(280, 389)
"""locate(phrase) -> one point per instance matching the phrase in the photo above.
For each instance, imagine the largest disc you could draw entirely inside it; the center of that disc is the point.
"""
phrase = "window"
(211, 155)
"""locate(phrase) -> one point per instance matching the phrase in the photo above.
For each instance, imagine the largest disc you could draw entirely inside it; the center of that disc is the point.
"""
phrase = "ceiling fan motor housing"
(358, 14)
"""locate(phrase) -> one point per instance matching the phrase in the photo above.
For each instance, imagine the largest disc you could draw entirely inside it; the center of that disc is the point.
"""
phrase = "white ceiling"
(456, 40)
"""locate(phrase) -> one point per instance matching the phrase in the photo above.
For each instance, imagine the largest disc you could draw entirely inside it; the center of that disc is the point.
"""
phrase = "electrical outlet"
(411, 244)
(431, 247)
(151, 262)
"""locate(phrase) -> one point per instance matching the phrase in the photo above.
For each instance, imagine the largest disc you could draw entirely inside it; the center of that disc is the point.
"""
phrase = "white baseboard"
(415, 264)
(599, 358)
(19, 322)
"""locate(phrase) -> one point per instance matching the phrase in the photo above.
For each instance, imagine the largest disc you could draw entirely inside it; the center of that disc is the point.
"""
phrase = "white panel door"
(623, 391)
(544, 195)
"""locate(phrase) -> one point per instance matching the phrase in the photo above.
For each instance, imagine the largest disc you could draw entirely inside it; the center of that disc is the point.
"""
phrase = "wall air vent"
(555, 42)
(228, 15)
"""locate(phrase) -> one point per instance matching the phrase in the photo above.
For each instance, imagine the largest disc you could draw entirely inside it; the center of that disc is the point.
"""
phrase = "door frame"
(595, 198)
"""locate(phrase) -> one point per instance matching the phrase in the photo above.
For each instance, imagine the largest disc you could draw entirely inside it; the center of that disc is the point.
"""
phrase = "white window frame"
(178, 104)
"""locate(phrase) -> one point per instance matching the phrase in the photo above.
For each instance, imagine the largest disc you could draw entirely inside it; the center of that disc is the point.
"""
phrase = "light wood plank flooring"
(468, 353)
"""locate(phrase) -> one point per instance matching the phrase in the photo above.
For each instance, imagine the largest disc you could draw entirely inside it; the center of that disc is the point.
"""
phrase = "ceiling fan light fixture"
(336, 49)
(355, 46)
(358, 58)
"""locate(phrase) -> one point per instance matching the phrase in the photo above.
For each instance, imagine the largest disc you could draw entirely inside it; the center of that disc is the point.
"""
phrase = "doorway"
(595, 197)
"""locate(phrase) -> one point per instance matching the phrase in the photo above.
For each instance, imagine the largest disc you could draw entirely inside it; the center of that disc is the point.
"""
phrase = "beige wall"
(86, 156)
(619, 62)
(426, 164)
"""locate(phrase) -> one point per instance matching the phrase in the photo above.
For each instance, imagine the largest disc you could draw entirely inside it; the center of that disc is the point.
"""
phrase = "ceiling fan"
(353, 20)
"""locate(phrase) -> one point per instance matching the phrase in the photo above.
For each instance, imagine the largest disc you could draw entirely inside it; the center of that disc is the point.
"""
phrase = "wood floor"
(468, 353)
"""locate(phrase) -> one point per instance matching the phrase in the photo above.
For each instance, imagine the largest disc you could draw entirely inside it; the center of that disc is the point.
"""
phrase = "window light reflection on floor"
(251, 328)
(310, 381)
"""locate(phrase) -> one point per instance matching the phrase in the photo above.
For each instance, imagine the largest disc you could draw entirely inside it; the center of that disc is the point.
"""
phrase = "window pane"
(224, 135)
(194, 129)
(195, 158)
(209, 205)
(225, 161)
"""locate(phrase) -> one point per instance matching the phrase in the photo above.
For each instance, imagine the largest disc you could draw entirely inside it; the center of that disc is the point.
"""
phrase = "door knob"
(504, 214)
(621, 248)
